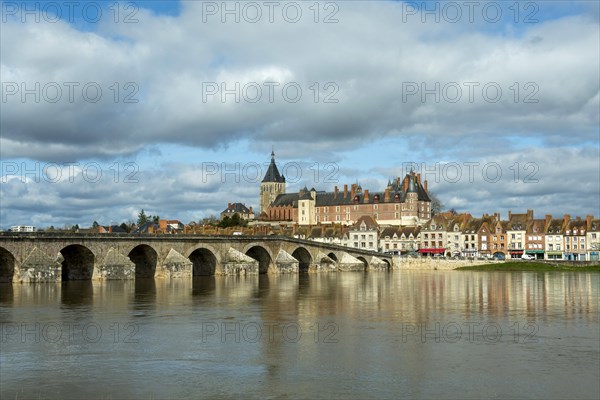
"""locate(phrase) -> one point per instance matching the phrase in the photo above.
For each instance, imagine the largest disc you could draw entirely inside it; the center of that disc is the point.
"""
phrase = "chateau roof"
(324, 199)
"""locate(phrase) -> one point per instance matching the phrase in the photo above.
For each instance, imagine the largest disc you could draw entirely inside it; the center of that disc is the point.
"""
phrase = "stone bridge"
(38, 257)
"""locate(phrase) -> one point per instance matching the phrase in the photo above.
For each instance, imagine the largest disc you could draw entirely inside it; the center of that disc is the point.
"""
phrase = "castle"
(403, 202)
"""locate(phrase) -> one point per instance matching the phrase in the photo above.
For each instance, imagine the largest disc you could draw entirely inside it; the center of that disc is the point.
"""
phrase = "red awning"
(434, 251)
(516, 252)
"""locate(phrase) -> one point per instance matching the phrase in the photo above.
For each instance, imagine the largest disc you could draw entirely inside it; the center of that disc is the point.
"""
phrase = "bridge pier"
(175, 265)
(285, 263)
(237, 263)
(350, 263)
(115, 266)
(38, 267)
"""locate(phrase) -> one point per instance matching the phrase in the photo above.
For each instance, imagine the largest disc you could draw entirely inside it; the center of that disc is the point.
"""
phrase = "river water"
(410, 334)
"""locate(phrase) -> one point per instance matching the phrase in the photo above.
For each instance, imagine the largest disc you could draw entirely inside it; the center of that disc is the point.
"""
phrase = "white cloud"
(369, 57)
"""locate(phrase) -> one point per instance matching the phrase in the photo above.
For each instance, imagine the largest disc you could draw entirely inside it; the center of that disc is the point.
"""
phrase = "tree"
(124, 227)
(210, 220)
(142, 218)
(436, 204)
(95, 225)
(155, 219)
(225, 222)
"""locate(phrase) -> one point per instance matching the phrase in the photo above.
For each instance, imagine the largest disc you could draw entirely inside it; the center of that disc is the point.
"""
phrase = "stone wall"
(400, 263)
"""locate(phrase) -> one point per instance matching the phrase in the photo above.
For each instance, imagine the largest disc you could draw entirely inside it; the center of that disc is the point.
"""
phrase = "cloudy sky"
(175, 106)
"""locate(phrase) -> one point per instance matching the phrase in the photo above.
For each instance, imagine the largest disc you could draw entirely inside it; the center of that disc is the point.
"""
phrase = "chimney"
(509, 214)
(345, 191)
(419, 178)
(529, 214)
(425, 185)
(335, 192)
(228, 205)
(405, 184)
(547, 219)
(588, 222)
(352, 190)
(386, 196)
(566, 219)
(250, 208)
(366, 199)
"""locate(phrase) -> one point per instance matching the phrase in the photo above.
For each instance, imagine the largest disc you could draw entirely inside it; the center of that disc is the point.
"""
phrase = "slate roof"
(236, 208)
(273, 174)
(324, 199)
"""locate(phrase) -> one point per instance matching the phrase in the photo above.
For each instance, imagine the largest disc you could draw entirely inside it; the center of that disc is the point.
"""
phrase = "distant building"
(593, 238)
(22, 228)
(364, 234)
(403, 202)
(148, 227)
(111, 229)
(170, 226)
(244, 212)
(399, 240)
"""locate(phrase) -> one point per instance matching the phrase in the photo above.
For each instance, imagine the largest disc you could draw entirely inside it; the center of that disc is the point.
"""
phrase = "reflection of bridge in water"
(55, 257)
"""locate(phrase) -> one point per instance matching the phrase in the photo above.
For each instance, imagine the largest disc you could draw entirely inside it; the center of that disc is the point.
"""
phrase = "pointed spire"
(273, 174)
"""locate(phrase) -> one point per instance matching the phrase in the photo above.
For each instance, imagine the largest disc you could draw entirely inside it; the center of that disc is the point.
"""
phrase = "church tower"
(271, 186)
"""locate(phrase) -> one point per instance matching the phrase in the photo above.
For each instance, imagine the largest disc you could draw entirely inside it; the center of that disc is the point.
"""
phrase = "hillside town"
(398, 220)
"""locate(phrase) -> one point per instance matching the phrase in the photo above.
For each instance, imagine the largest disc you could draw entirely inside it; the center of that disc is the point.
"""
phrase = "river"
(400, 334)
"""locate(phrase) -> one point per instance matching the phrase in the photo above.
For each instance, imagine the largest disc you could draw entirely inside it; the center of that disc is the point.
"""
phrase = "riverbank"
(531, 266)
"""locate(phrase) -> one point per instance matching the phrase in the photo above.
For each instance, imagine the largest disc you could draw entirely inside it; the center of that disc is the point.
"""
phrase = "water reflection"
(6, 293)
(383, 335)
(76, 293)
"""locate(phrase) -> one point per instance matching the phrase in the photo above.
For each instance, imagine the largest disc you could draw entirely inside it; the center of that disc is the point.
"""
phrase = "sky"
(174, 107)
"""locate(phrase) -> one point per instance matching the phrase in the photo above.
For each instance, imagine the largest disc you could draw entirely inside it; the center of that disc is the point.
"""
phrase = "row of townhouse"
(462, 235)
(547, 238)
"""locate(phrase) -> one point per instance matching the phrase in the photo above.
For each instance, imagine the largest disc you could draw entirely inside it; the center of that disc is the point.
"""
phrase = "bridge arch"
(204, 262)
(388, 266)
(332, 256)
(364, 261)
(304, 258)
(261, 255)
(145, 259)
(7, 266)
(77, 263)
